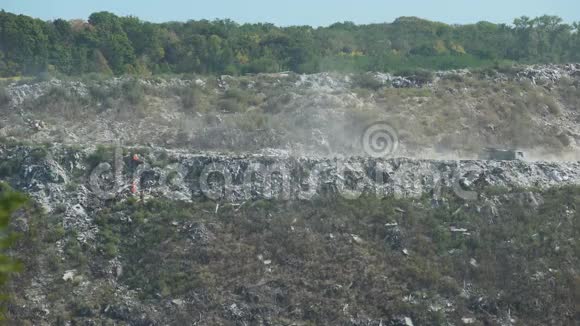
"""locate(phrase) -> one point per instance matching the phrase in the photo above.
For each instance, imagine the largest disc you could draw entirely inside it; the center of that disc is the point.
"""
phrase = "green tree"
(113, 41)
(24, 42)
(108, 43)
(10, 201)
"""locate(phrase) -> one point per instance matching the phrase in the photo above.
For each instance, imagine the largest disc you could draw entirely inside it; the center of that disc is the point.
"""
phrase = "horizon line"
(214, 19)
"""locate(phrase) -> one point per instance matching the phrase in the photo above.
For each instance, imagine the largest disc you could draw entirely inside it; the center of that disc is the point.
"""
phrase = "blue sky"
(301, 12)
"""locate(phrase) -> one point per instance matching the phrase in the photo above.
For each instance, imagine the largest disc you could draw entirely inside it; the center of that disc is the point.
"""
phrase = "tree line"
(109, 44)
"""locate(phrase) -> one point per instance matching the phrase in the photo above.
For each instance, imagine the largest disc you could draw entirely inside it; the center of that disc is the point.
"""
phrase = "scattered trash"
(69, 275)
(356, 238)
(473, 263)
(454, 229)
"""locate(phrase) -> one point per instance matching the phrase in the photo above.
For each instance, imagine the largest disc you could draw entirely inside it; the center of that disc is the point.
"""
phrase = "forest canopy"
(109, 44)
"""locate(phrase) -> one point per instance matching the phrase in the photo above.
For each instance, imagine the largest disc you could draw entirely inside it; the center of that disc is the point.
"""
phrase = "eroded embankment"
(347, 242)
(453, 114)
(67, 176)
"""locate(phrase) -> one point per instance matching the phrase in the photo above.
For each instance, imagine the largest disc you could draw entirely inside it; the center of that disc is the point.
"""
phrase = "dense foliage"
(110, 44)
(311, 263)
(9, 202)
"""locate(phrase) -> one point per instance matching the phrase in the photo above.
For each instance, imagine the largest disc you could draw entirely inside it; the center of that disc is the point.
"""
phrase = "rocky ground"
(270, 240)
(450, 114)
(257, 200)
